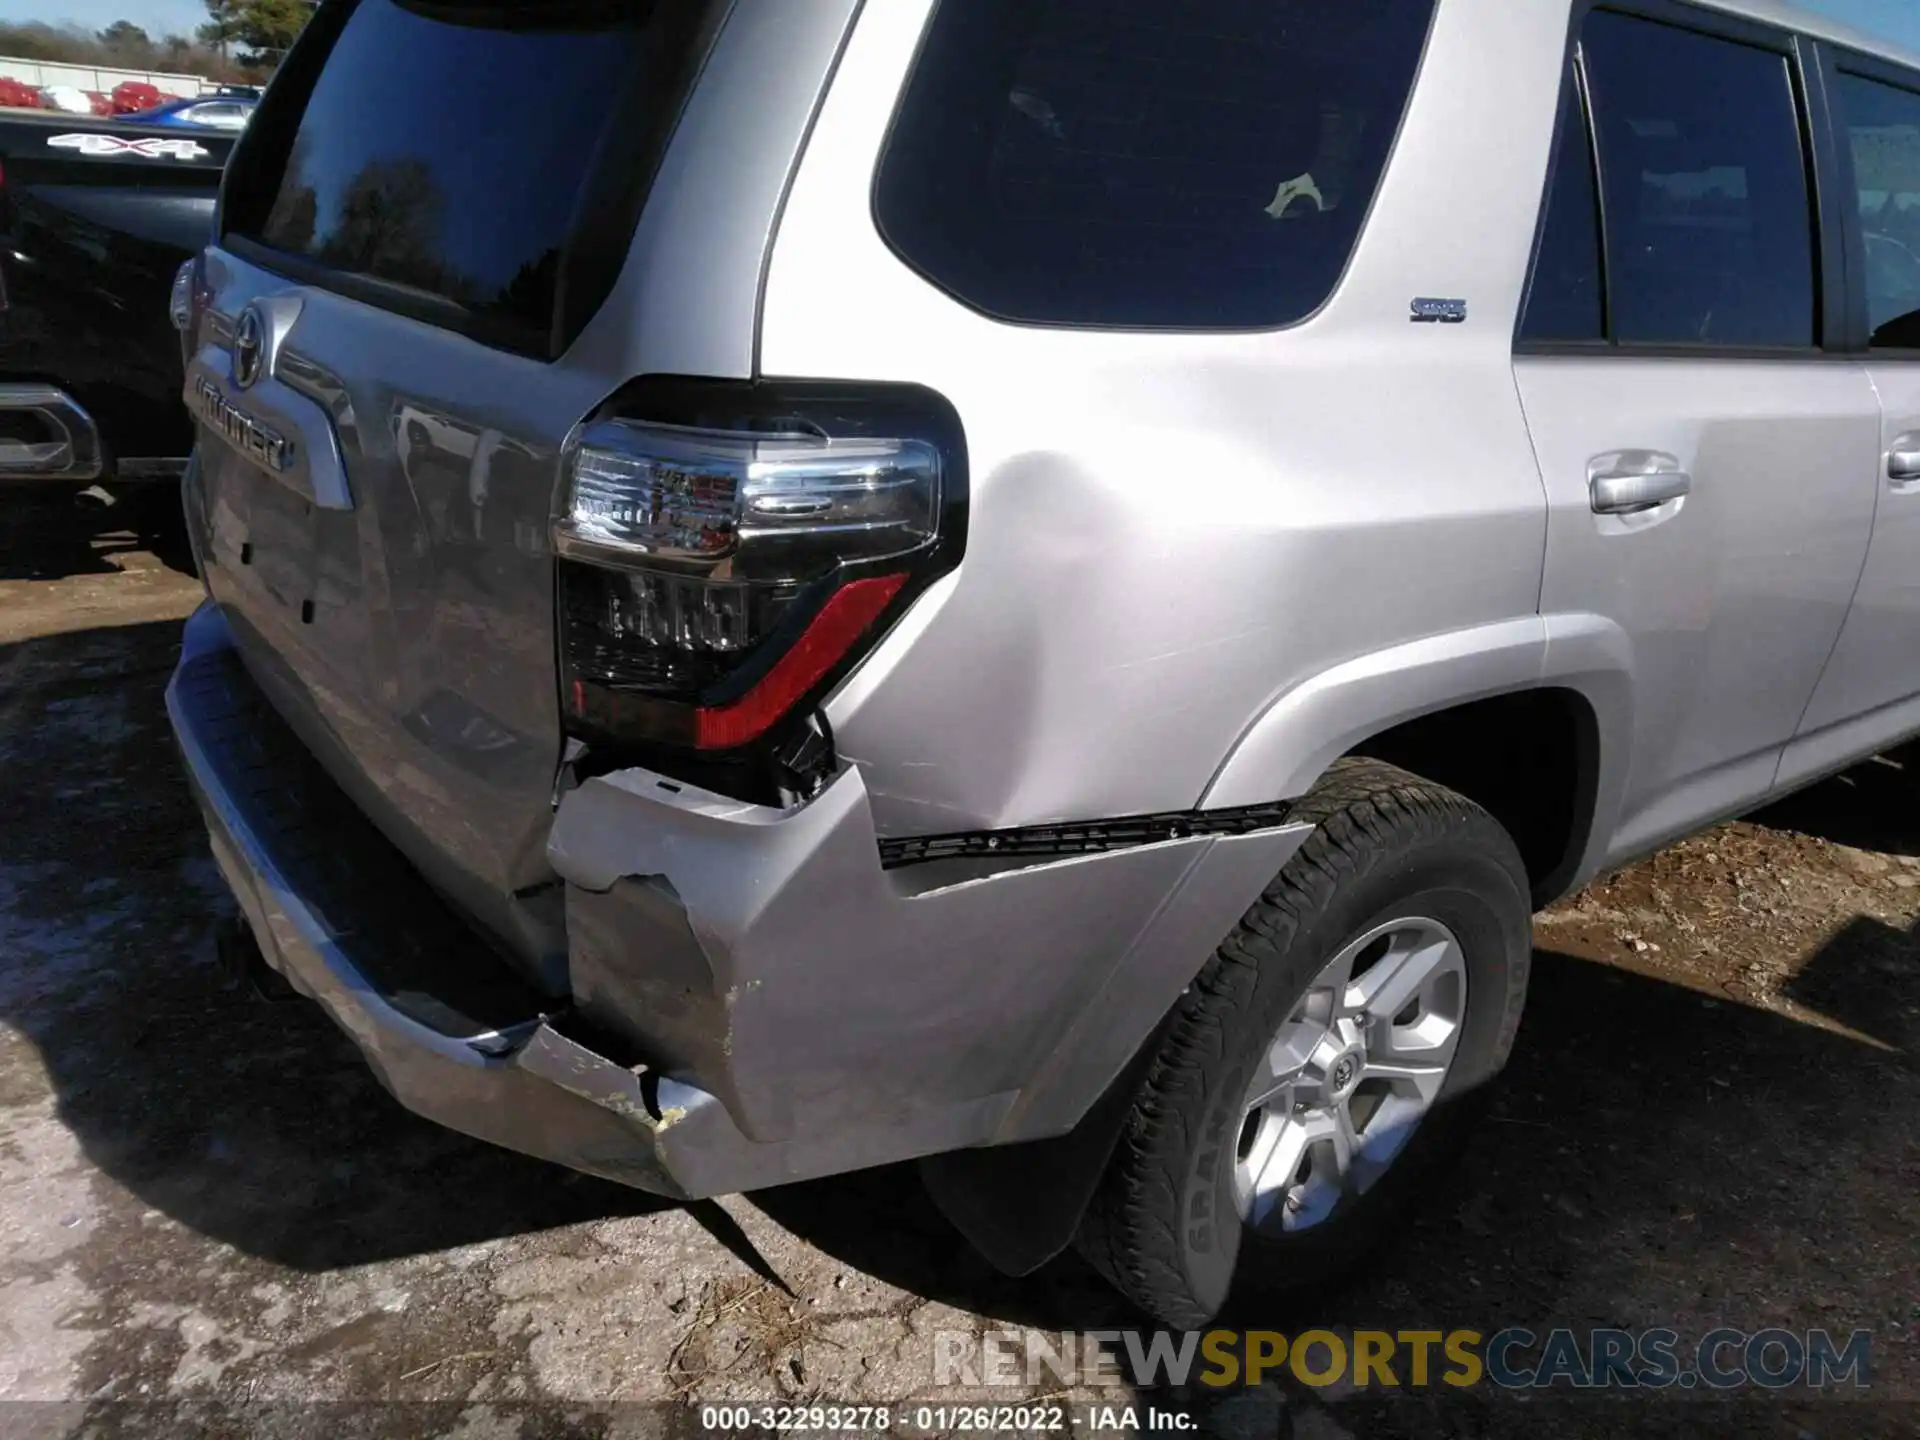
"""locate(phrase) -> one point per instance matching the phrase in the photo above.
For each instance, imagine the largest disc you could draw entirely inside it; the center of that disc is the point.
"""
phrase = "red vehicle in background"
(130, 97)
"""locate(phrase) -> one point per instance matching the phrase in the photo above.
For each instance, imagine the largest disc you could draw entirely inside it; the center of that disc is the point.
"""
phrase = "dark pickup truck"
(96, 219)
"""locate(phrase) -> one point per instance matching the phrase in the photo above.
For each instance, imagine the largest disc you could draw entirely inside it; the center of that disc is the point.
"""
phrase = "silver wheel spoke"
(1343, 1139)
(1338, 974)
(1421, 1081)
(1278, 1166)
(1400, 976)
(1281, 1065)
(1388, 1131)
(1260, 1163)
(1328, 1144)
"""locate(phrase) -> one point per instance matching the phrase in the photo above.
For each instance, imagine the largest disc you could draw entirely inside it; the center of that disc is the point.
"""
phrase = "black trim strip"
(1081, 837)
(1831, 190)
(1607, 350)
(1581, 114)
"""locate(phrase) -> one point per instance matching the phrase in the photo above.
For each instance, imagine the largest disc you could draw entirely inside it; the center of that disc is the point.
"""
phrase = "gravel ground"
(211, 1214)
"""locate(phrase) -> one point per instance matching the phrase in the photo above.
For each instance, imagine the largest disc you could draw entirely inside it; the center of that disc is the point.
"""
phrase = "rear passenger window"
(1883, 124)
(1565, 302)
(1709, 225)
(1205, 165)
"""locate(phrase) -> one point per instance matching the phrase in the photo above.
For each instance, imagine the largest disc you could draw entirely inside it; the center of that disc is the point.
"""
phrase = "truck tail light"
(180, 308)
(189, 303)
(723, 565)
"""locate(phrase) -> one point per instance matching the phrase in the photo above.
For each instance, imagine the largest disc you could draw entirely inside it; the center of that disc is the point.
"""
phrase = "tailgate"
(391, 584)
(383, 390)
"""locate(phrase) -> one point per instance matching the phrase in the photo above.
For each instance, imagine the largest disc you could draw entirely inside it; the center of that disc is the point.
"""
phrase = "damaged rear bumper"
(450, 1029)
(788, 1008)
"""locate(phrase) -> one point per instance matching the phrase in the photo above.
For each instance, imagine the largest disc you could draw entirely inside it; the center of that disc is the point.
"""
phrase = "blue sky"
(1897, 18)
(156, 17)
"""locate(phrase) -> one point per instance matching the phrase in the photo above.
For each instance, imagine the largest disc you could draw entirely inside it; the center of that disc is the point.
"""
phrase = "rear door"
(429, 207)
(1708, 455)
(1870, 693)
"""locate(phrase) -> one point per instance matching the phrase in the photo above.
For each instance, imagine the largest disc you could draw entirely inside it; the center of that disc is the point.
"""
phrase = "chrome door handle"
(1629, 481)
(1903, 460)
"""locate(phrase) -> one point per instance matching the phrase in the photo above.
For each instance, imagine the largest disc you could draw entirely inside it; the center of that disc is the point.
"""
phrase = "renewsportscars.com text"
(1513, 1358)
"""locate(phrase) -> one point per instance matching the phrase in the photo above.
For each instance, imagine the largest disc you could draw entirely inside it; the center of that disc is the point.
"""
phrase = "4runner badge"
(151, 146)
(257, 442)
(1439, 312)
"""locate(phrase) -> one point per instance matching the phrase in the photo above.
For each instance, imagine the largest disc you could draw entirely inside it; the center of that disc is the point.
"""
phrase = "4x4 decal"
(153, 147)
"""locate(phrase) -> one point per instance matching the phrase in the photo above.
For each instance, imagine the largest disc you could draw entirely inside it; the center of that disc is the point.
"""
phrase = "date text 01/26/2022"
(942, 1419)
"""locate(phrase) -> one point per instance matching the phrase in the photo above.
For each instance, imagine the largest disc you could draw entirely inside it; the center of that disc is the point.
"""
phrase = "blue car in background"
(203, 112)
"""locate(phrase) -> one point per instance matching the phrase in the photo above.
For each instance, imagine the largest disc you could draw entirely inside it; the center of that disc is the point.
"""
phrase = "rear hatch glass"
(478, 166)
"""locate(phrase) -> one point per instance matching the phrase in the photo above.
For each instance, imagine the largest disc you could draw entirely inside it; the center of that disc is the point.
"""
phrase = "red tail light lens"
(832, 633)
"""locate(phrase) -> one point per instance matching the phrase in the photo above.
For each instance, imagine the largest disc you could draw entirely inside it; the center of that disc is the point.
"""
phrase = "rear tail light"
(785, 509)
(189, 300)
(180, 304)
(717, 575)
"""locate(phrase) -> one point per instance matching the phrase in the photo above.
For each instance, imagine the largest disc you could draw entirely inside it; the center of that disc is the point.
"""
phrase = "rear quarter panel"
(1171, 532)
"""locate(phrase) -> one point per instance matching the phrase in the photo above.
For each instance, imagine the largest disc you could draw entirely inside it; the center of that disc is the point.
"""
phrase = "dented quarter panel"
(1169, 531)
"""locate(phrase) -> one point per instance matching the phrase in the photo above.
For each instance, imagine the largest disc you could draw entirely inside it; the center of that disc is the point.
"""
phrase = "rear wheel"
(1324, 1060)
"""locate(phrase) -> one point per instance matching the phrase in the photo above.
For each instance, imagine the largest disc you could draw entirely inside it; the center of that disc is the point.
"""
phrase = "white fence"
(43, 73)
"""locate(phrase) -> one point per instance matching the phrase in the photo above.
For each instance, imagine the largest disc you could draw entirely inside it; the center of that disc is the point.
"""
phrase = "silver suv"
(1035, 585)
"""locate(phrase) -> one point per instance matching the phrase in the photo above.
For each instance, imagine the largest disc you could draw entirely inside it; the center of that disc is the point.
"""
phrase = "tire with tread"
(1161, 1226)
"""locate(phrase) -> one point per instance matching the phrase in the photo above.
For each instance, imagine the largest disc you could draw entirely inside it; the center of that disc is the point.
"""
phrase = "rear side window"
(1883, 129)
(1709, 222)
(454, 161)
(1206, 165)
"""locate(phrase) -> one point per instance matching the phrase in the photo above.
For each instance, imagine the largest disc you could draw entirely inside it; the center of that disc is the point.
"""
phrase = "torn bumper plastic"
(795, 1010)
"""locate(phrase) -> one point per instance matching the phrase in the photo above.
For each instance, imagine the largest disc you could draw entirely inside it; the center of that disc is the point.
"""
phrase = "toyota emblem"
(249, 347)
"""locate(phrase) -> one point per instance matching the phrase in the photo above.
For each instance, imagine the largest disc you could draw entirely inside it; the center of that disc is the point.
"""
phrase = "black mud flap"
(1019, 1205)
(244, 967)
